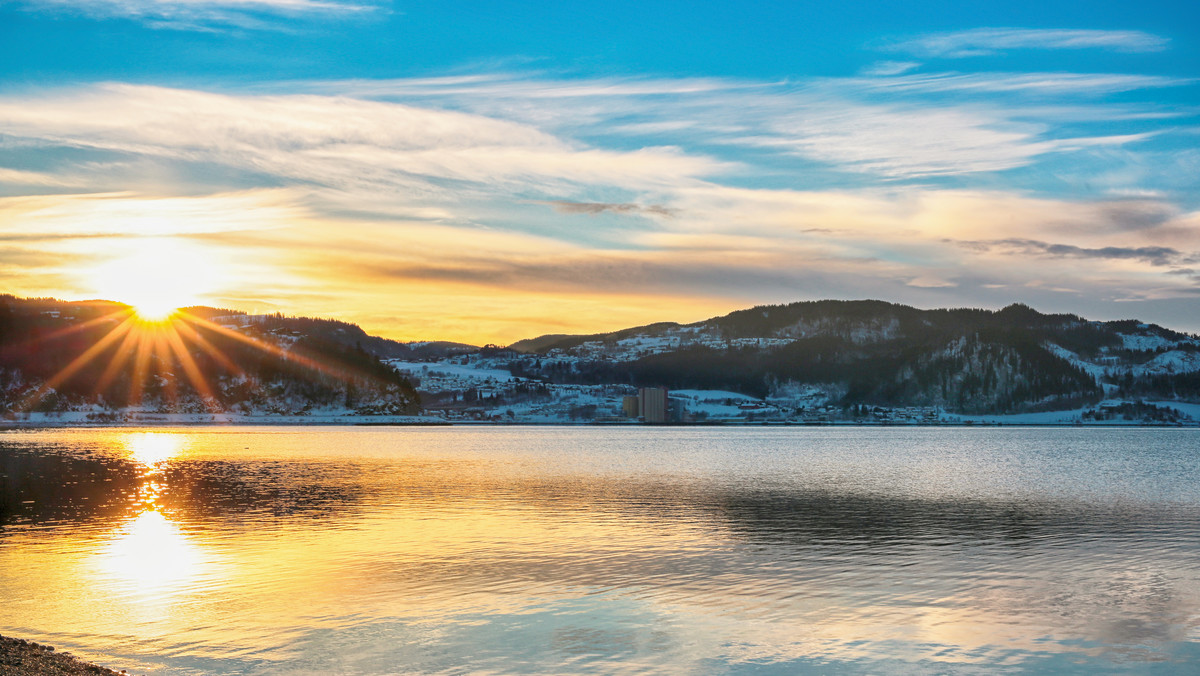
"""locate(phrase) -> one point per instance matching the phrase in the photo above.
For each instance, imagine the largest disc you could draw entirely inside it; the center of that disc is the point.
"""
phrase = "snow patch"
(1096, 371)
(712, 395)
(1142, 342)
(1190, 410)
(1175, 361)
(472, 372)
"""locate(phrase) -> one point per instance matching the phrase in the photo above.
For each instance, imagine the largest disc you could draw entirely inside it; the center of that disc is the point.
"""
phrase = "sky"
(485, 172)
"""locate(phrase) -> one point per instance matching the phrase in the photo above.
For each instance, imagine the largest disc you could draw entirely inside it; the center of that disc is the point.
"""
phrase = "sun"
(156, 276)
(153, 311)
(156, 351)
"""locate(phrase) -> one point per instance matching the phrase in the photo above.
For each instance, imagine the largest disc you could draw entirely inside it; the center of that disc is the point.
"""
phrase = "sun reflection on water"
(374, 547)
(151, 556)
(151, 449)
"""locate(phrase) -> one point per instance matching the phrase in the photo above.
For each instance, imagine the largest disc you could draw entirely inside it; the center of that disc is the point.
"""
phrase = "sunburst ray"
(161, 349)
(190, 368)
(269, 348)
(83, 326)
(79, 362)
(121, 357)
(141, 365)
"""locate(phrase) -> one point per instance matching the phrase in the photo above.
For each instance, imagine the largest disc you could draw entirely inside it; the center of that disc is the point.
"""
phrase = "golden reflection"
(150, 554)
(153, 448)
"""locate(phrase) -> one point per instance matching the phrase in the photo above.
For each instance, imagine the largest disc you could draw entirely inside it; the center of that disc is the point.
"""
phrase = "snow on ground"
(1094, 370)
(1044, 418)
(461, 371)
(543, 413)
(138, 418)
(712, 395)
(1175, 361)
(714, 403)
(634, 347)
(1191, 410)
(1144, 341)
(1069, 417)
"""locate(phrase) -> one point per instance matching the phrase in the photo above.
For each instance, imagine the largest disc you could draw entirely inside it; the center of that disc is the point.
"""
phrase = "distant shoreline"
(303, 421)
(1166, 413)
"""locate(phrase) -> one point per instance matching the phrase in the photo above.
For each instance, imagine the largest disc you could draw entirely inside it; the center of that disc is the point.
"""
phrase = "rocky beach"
(26, 658)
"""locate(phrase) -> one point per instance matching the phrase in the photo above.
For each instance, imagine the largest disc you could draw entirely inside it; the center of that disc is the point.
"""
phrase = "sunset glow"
(461, 192)
(151, 557)
(153, 448)
(155, 276)
(638, 336)
(151, 350)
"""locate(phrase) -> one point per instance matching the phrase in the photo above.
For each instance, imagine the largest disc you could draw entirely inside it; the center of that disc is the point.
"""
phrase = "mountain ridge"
(876, 353)
(1012, 311)
(829, 355)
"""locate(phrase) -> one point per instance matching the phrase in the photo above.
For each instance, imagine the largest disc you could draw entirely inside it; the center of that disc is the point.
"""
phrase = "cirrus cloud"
(436, 192)
(206, 15)
(986, 41)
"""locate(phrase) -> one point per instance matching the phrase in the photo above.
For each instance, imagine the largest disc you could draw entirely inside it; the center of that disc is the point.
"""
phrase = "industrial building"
(653, 405)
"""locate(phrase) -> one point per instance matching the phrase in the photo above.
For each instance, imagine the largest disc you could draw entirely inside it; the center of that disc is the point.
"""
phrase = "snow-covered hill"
(814, 363)
(829, 361)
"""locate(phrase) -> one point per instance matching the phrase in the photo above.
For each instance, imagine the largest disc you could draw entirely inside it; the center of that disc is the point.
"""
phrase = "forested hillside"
(801, 360)
(58, 356)
(871, 352)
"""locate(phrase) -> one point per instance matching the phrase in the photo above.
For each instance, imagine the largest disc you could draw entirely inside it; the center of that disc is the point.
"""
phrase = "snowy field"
(138, 419)
(448, 370)
(1069, 417)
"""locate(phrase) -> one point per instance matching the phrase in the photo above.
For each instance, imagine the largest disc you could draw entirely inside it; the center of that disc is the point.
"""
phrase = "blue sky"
(155, 40)
(484, 172)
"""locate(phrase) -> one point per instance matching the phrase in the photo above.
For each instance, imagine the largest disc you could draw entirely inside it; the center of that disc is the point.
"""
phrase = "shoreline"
(26, 658)
(299, 421)
(1153, 413)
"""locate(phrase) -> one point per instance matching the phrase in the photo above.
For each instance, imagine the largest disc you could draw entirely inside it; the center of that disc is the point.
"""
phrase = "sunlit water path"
(605, 550)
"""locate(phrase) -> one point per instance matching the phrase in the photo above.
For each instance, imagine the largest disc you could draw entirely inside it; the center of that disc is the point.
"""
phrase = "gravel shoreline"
(26, 658)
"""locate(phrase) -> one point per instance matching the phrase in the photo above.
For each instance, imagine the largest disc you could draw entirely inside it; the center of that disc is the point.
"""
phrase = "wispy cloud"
(886, 68)
(1154, 255)
(608, 195)
(115, 215)
(931, 282)
(31, 178)
(897, 127)
(726, 247)
(1058, 84)
(596, 208)
(206, 14)
(987, 41)
(345, 144)
(896, 142)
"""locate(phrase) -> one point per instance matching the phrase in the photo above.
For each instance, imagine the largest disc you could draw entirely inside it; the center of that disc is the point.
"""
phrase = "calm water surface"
(605, 550)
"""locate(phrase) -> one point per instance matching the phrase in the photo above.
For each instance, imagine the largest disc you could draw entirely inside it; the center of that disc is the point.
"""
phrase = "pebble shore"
(26, 658)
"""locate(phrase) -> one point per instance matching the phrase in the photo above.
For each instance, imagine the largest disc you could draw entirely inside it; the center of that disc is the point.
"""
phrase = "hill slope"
(877, 353)
(801, 361)
(96, 356)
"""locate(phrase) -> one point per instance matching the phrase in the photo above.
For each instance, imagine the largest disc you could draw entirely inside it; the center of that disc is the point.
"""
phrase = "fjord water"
(605, 550)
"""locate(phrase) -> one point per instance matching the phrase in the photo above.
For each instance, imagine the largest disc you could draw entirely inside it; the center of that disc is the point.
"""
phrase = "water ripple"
(584, 550)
